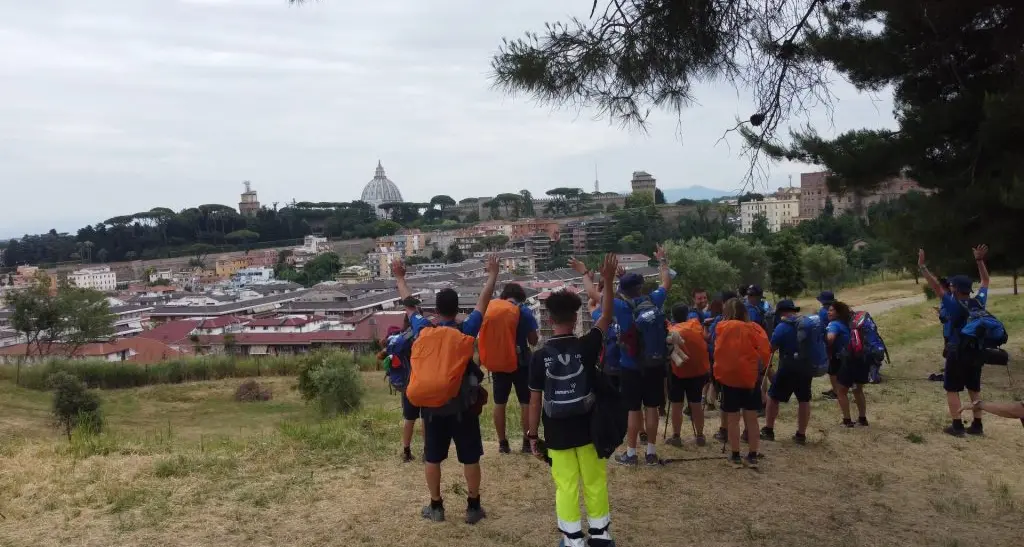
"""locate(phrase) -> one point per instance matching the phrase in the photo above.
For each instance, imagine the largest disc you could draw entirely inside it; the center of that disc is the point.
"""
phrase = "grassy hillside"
(185, 465)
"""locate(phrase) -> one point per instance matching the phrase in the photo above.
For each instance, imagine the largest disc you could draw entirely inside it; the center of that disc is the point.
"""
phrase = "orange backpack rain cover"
(698, 364)
(498, 337)
(439, 359)
(741, 350)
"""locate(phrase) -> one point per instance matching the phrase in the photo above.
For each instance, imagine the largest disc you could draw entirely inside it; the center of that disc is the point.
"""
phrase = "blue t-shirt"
(624, 318)
(470, 327)
(956, 315)
(697, 314)
(611, 342)
(711, 336)
(754, 312)
(784, 338)
(842, 340)
(823, 315)
(527, 324)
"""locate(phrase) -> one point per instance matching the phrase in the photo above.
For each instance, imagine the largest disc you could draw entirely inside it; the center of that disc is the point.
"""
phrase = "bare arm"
(398, 270)
(979, 257)
(608, 268)
(533, 421)
(532, 338)
(1005, 410)
(588, 281)
(937, 287)
(666, 277)
(488, 290)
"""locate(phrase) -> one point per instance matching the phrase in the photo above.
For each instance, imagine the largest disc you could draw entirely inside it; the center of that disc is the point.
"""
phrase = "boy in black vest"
(562, 376)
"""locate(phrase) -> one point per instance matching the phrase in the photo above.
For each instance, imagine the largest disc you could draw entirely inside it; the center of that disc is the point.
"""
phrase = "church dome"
(381, 190)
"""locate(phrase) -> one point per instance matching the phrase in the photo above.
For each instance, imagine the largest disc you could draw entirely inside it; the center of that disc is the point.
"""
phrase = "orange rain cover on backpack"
(698, 364)
(741, 350)
(498, 337)
(439, 359)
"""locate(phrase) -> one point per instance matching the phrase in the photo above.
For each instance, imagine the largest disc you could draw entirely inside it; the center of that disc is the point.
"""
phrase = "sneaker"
(526, 446)
(433, 514)
(976, 429)
(699, 440)
(954, 431)
(675, 441)
(722, 435)
(848, 423)
(736, 460)
(799, 438)
(503, 447)
(829, 395)
(643, 437)
(751, 460)
(624, 459)
(407, 456)
(767, 434)
(862, 421)
(475, 515)
(651, 459)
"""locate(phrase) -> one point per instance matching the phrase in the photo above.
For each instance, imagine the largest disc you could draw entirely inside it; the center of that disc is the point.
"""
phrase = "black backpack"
(568, 389)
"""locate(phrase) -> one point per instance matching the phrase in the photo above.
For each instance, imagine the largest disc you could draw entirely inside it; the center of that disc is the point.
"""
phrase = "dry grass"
(185, 465)
(886, 290)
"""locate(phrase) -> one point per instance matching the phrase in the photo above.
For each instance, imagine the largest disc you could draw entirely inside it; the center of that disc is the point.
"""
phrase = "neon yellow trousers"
(568, 468)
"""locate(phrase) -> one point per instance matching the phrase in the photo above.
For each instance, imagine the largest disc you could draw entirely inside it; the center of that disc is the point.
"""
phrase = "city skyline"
(169, 110)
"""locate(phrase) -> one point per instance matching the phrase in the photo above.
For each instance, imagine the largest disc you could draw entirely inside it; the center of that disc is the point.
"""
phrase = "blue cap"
(826, 297)
(630, 281)
(755, 290)
(961, 283)
(786, 305)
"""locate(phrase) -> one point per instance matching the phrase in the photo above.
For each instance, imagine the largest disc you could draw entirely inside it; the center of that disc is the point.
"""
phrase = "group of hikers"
(593, 392)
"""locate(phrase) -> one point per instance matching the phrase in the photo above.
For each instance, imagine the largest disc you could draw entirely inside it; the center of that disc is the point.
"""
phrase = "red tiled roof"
(219, 322)
(172, 332)
(146, 350)
(365, 331)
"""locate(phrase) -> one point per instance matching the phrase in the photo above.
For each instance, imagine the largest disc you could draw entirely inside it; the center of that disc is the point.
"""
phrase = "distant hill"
(673, 195)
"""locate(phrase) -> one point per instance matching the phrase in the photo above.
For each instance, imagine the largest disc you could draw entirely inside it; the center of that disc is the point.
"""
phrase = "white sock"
(630, 452)
(650, 449)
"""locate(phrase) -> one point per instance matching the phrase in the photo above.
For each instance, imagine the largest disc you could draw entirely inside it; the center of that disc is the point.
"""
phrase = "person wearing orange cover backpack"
(687, 381)
(445, 385)
(742, 351)
(509, 330)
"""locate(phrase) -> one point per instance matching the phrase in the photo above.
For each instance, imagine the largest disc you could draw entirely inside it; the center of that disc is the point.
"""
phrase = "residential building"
(252, 276)
(99, 278)
(203, 307)
(354, 274)
(165, 274)
(634, 261)
(136, 350)
(407, 242)
(227, 267)
(129, 319)
(314, 245)
(590, 235)
(265, 258)
(643, 183)
(814, 193)
(379, 261)
(779, 212)
(529, 226)
(250, 204)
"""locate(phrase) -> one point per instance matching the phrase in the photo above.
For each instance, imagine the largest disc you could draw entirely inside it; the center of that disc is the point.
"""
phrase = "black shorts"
(440, 431)
(834, 365)
(643, 387)
(409, 411)
(962, 371)
(689, 389)
(853, 371)
(735, 399)
(505, 381)
(789, 382)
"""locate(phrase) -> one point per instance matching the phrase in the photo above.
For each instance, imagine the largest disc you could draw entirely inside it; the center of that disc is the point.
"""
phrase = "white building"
(163, 273)
(634, 261)
(777, 211)
(99, 278)
(379, 261)
(252, 276)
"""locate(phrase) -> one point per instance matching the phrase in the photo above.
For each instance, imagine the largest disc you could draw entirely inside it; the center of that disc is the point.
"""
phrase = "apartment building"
(778, 211)
(99, 278)
(379, 260)
(814, 193)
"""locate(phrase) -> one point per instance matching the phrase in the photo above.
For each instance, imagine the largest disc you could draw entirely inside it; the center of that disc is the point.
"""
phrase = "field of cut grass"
(186, 465)
(890, 289)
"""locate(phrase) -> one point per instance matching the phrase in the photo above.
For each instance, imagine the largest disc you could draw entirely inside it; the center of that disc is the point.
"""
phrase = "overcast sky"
(110, 107)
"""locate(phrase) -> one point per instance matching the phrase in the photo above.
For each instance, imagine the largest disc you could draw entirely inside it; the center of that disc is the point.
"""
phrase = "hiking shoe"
(624, 459)
(699, 440)
(829, 395)
(675, 441)
(848, 423)
(503, 447)
(751, 460)
(722, 435)
(736, 460)
(863, 421)
(643, 437)
(433, 514)
(652, 459)
(407, 456)
(800, 438)
(526, 446)
(767, 434)
(976, 429)
(954, 431)
(475, 514)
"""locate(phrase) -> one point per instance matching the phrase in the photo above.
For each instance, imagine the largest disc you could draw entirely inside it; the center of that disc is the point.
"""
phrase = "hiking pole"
(668, 416)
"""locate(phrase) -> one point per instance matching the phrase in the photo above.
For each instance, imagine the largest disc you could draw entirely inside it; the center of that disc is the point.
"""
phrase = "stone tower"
(250, 204)
(643, 182)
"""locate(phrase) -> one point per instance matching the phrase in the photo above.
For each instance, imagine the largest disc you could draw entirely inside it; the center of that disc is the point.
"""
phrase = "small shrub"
(74, 407)
(915, 438)
(332, 380)
(251, 391)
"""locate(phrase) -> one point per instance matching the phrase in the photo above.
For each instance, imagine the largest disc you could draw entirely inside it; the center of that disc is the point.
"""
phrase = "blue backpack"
(398, 365)
(812, 355)
(645, 340)
(867, 331)
(982, 327)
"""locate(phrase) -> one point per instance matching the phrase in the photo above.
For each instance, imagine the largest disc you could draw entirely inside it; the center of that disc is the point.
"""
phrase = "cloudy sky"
(110, 107)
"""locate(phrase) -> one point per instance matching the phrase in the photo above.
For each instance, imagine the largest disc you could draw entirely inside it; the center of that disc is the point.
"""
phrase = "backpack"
(397, 364)
(645, 339)
(864, 338)
(439, 380)
(812, 355)
(767, 318)
(567, 384)
(695, 348)
(498, 349)
(981, 327)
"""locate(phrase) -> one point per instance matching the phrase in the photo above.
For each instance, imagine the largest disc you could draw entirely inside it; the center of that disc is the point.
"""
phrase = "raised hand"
(620, 271)
(577, 266)
(609, 266)
(980, 251)
(920, 257)
(492, 265)
(398, 268)
(659, 253)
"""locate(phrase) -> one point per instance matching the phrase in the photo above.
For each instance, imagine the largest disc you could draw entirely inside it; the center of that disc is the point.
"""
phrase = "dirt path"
(876, 308)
